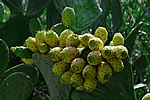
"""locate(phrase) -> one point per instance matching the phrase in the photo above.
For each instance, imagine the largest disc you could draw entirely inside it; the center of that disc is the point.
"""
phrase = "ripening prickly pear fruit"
(101, 33)
(89, 72)
(73, 40)
(76, 80)
(121, 52)
(63, 37)
(116, 64)
(118, 39)
(81, 88)
(52, 38)
(65, 77)
(96, 44)
(111, 43)
(146, 97)
(94, 57)
(44, 48)
(31, 44)
(108, 52)
(85, 38)
(104, 72)
(59, 68)
(77, 65)
(40, 37)
(27, 61)
(69, 53)
(90, 85)
(68, 15)
(54, 54)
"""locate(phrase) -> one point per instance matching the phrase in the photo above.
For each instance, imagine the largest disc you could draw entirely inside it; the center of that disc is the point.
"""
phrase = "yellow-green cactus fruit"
(90, 85)
(89, 72)
(104, 72)
(85, 38)
(101, 33)
(77, 65)
(111, 43)
(59, 68)
(65, 78)
(118, 39)
(80, 88)
(76, 80)
(94, 58)
(40, 37)
(52, 38)
(63, 37)
(54, 54)
(96, 44)
(146, 97)
(108, 52)
(27, 61)
(31, 44)
(121, 52)
(43, 48)
(116, 64)
(73, 40)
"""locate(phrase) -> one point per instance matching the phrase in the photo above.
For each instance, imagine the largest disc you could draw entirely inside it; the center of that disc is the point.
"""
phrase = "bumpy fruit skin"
(108, 52)
(68, 15)
(44, 48)
(76, 80)
(73, 40)
(89, 72)
(65, 78)
(40, 37)
(85, 38)
(146, 97)
(59, 68)
(54, 54)
(104, 72)
(94, 57)
(111, 43)
(52, 38)
(101, 33)
(77, 65)
(96, 44)
(63, 37)
(118, 39)
(81, 88)
(116, 64)
(90, 85)
(69, 53)
(31, 44)
(121, 52)
(27, 61)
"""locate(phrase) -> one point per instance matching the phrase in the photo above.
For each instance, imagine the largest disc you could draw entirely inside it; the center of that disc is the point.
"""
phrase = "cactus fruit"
(31, 44)
(104, 72)
(85, 38)
(96, 44)
(111, 43)
(77, 65)
(146, 97)
(65, 78)
(101, 33)
(116, 64)
(94, 57)
(40, 37)
(73, 40)
(27, 61)
(68, 15)
(108, 52)
(118, 39)
(54, 54)
(81, 88)
(90, 85)
(59, 68)
(43, 48)
(89, 72)
(69, 53)
(52, 38)
(121, 52)
(76, 80)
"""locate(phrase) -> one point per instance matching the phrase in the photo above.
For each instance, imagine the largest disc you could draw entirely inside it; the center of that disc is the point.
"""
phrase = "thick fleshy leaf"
(1, 12)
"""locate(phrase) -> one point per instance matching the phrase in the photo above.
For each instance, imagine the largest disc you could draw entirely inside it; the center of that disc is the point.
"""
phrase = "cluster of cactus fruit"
(66, 50)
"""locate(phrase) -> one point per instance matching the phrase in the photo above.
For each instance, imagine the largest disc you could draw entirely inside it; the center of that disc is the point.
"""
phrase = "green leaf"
(116, 14)
(56, 90)
(17, 86)
(4, 56)
(1, 12)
